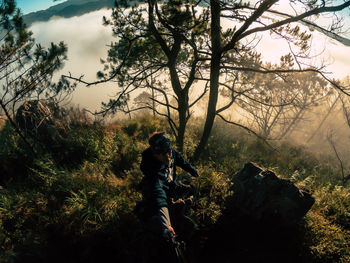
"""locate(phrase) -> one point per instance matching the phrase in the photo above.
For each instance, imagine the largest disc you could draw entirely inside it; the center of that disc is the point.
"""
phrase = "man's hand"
(169, 233)
(171, 229)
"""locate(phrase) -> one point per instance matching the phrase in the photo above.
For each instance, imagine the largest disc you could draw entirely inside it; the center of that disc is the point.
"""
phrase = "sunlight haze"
(88, 40)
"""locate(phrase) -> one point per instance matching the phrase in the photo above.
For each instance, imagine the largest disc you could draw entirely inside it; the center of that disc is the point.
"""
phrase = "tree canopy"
(26, 68)
(183, 49)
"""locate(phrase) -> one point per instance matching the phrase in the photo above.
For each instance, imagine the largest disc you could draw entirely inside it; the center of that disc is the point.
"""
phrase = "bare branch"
(316, 11)
(115, 73)
(258, 12)
(324, 119)
(267, 71)
(331, 142)
(327, 32)
(249, 130)
(164, 104)
(200, 96)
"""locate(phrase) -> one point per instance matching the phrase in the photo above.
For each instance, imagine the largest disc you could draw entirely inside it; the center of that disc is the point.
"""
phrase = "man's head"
(161, 146)
(160, 142)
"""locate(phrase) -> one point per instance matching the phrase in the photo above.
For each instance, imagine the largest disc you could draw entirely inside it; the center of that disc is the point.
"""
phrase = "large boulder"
(261, 196)
(40, 120)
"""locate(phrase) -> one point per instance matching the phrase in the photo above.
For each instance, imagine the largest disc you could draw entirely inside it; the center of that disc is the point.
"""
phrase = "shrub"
(333, 202)
(76, 199)
(213, 188)
(15, 157)
(326, 241)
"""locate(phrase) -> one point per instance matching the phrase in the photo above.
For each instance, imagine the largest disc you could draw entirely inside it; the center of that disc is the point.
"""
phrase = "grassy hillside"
(74, 201)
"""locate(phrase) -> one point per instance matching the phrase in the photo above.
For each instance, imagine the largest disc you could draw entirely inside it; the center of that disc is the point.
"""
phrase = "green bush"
(213, 188)
(75, 199)
(15, 157)
(333, 202)
(327, 242)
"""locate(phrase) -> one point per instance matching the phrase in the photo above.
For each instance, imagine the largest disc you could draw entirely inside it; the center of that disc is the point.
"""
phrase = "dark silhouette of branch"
(257, 13)
(233, 97)
(172, 124)
(249, 130)
(115, 73)
(164, 104)
(241, 34)
(284, 104)
(324, 119)
(336, 85)
(200, 96)
(276, 71)
(153, 29)
(269, 71)
(331, 142)
(325, 31)
(155, 110)
(345, 111)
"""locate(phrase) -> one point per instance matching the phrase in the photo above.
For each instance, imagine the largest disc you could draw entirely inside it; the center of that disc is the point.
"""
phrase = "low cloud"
(87, 41)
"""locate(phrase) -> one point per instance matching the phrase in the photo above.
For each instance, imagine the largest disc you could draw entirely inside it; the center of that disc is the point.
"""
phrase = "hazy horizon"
(87, 41)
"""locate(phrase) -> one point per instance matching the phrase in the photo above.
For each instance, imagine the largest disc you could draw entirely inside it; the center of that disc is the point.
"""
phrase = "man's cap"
(160, 142)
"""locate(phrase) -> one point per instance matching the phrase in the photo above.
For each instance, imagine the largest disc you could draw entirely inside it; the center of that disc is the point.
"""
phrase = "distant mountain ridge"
(68, 9)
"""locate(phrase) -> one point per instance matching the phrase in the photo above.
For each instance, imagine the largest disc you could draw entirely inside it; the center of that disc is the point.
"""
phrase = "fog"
(87, 41)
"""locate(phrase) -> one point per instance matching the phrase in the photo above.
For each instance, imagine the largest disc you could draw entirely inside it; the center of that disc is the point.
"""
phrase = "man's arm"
(152, 181)
(184, 164)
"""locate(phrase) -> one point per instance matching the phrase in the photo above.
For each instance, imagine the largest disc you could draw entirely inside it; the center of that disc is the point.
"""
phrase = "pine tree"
(26, 68)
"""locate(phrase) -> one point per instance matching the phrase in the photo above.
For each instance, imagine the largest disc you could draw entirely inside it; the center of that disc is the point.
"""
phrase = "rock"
(260, 195)
(40, 120)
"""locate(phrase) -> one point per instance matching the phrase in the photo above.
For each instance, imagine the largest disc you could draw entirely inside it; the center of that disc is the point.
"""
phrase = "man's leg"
(165, 223)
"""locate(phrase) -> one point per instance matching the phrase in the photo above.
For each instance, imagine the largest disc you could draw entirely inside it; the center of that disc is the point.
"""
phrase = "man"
(158, 185)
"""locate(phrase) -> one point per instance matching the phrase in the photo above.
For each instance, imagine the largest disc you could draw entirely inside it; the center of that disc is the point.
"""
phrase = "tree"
(277, 105)
(201, 46)
(167, 43)
(26, 69)
(224, 44)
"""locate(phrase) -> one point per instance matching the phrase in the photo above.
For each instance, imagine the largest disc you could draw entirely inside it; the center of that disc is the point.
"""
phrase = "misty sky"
(87, 42)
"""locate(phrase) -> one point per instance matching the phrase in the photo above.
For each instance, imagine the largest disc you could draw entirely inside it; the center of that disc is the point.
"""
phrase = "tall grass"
(74, 201)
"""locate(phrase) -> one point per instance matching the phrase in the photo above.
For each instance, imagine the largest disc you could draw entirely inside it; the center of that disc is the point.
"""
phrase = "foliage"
(213, 44)
(26, 69)
(333, 202)
(12, 153)
(80, 209)
(213, 188)
(327, 242)
(274, 105)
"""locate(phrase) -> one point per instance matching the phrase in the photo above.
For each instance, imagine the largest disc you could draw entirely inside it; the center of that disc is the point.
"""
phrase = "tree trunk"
(214, 78)
(182, 109)
(153, 102)
(182, 96)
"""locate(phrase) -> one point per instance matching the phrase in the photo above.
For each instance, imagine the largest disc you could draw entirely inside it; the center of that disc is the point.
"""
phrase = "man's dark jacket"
(156, 187)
